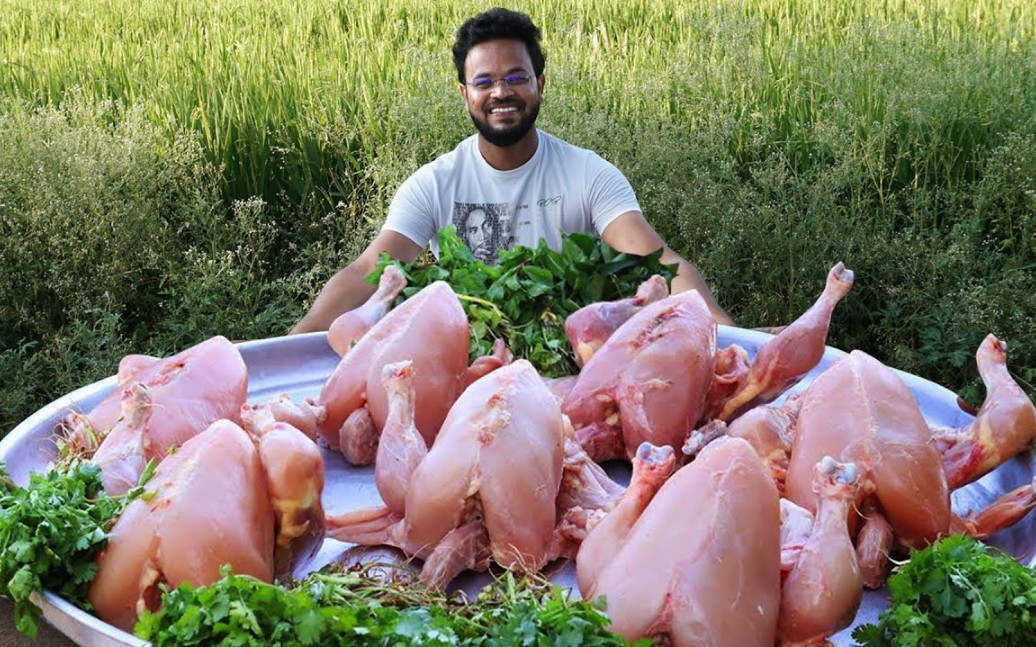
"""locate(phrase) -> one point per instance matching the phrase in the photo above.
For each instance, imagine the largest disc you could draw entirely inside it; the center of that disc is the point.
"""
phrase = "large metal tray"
(300, 364)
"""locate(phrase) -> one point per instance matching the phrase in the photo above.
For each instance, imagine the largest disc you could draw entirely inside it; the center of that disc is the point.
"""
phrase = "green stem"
(484, 302)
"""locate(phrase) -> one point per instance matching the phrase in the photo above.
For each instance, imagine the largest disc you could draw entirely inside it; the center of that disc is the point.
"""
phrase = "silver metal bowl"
(300, 364)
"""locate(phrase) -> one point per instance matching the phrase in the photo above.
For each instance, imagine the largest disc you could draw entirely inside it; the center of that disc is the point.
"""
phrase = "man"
(507, 176)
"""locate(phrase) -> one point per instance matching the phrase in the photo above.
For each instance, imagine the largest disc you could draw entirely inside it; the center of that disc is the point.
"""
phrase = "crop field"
(175, 169)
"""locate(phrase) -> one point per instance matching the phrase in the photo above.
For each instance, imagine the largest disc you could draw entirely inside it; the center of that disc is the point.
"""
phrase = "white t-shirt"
(561, 189)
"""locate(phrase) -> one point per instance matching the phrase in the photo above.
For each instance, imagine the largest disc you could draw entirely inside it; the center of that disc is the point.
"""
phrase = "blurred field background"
(175, 169)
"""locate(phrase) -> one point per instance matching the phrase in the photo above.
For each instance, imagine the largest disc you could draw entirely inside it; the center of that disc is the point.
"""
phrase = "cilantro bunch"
(50, 535)
(350, 608)
(525, 298)
(957, 592)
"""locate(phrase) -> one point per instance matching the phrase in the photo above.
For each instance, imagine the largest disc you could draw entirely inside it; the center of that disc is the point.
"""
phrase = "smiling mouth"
(504, 110)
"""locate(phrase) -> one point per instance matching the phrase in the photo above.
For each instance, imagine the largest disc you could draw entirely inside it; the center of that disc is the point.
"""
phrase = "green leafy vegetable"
(337, 607)
(525, 299)
(51, 533)
(957, 592)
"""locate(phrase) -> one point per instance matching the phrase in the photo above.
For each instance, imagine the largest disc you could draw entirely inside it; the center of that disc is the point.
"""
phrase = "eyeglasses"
(485, 83)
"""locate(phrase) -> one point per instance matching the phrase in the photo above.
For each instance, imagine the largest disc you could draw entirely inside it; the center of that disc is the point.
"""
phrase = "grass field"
(173, 170)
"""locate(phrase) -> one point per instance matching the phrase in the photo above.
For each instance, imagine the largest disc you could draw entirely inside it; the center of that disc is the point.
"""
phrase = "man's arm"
(631, 233)
(347, 289)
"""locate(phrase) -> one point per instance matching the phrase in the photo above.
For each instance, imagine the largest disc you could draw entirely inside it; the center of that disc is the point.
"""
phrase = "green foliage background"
(175, 169)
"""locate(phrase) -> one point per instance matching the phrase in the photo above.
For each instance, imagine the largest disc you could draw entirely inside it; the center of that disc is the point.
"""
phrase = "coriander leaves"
(957, 592)
(525, 299)
(335, 607)
(50, 533)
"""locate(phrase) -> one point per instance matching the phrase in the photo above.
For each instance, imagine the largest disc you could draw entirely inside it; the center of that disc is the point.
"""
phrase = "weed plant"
(173, 170)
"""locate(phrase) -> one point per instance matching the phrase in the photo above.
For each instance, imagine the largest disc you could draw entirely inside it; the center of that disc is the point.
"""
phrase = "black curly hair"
(493, 24)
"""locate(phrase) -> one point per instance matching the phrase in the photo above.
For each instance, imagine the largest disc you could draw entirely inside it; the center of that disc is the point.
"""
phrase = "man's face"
(479, 231)
(503, 113)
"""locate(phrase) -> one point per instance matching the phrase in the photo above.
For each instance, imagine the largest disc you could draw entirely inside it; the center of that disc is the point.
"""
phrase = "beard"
(510, 135)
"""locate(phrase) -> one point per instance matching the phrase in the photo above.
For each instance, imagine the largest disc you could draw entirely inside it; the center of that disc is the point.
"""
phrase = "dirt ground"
(9, 636)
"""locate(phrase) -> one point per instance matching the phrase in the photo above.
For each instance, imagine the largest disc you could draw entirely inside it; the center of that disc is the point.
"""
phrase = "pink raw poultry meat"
(486, 488)
(590, 326)
(859, 410)
(701, 565)
(648, 382)
(222, 498)
(348, 328)
(431, 330)
(785, 359)
(185, 394)
(212, 373)
(1004, 426)
(824, 585)
(660, 373)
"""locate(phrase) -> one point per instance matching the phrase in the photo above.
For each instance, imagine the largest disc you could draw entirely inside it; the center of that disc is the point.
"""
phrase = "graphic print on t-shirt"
(485, 228)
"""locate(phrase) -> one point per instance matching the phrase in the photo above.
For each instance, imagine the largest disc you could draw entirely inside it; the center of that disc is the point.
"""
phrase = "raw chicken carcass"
(85, 431)
(660, 374)
(431, 330)
(211, 374)
(485, 490)
(164, 404)
(861, 411)
(648, 382)
(702, 563)
(222, 498)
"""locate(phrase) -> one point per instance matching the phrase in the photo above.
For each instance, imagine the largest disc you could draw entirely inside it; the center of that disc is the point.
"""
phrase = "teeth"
(500, 110)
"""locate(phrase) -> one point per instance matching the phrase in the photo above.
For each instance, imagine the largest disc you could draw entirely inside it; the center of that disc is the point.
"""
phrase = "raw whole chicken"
(355, 401)
(660, 374)
(861, 411)
(702, 563)
(85, 431)
(186, 393)
(349, 327)
(495, 486)
(222, 498)
(486, 488)
(648, 382)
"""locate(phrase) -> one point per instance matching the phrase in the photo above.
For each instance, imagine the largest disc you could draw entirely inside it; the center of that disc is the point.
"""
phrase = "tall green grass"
(266, 84)
(256, 146)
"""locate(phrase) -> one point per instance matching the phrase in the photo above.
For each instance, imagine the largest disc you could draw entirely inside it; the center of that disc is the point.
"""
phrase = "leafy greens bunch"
(525, 298)
(957, 592)
(336, 607)
(51, 533)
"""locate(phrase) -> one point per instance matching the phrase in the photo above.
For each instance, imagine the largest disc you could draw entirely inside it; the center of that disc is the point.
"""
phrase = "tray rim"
(85, 628)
